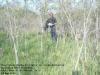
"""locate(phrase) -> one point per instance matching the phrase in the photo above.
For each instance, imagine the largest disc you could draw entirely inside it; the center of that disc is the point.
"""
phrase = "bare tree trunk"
(41, 32)
(97, 36)
(25, 1)
(85, 32)
(42, 17)
(14, 42)
(15, 48)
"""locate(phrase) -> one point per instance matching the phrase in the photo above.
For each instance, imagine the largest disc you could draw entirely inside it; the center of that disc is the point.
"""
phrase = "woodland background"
(24, 41)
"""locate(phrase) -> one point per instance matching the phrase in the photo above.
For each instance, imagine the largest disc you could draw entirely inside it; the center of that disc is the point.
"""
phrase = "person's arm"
(54, 24)
(55, 21)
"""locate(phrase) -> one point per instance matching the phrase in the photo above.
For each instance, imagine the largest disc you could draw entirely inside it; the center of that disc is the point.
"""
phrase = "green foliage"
(52, 54)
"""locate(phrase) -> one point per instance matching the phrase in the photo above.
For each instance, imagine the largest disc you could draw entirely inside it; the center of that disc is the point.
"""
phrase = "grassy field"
(29, 52)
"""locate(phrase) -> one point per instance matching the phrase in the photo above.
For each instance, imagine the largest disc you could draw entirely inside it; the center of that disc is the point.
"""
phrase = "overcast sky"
(34, 6)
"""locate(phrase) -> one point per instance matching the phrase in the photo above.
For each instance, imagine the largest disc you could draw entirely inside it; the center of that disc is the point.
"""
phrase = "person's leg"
(53, 34)
(54, 37)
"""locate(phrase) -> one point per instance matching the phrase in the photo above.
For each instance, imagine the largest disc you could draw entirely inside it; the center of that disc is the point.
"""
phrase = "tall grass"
(52, 54)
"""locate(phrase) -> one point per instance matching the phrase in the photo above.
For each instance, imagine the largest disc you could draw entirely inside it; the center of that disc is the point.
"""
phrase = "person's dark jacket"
(50, 20)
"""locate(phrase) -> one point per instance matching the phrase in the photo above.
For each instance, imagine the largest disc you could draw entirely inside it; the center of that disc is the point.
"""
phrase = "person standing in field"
(51, 22)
